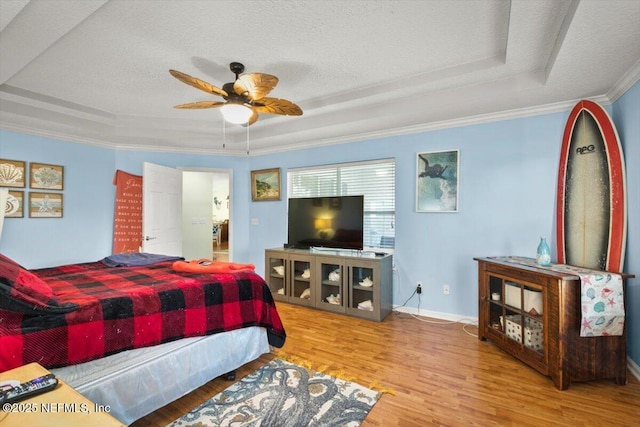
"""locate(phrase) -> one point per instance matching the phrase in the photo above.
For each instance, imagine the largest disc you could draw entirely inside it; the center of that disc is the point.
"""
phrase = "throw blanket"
(208, 266)
(601, 297)
(602, 304)
(136, 259)
(89, 311)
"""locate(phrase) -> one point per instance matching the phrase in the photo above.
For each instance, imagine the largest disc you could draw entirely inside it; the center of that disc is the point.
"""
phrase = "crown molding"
(624, 84)
(444, 124)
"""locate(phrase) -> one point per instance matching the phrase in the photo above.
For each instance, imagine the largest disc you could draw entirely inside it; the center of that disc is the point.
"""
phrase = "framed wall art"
(45, 205)
(12, 173)
(265, 185)
(46, 177)
(437, 181)
(14, 207)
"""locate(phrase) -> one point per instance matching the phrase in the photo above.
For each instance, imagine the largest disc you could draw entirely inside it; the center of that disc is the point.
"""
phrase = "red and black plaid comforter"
(101, 311)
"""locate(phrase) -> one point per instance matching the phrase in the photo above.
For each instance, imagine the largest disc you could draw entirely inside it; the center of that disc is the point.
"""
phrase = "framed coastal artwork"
(437, 181)
(45, 205)
(12, 173)
(14, 206)
(46, 177)
(265, 185)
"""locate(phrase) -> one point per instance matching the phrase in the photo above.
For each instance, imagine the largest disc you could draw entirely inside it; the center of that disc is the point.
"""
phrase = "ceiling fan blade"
(277, 106)
(201, 104)
(198, 84)
(255, 86)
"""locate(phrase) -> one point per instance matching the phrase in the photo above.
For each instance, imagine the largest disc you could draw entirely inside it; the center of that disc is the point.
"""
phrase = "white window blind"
(374, 180)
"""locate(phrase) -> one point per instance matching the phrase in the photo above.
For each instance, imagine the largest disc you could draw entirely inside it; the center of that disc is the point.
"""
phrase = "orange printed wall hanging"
(127, 227)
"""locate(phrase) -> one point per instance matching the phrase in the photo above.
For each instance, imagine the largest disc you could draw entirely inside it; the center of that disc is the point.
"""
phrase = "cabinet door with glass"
(301, 269)
(516, 313)
(516, 310)
(363, 289)
(276, 274)
(330, 280)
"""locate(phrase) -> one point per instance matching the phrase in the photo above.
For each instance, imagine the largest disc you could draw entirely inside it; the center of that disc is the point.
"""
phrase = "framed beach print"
(14, 207)
(46, 177)
(265, 185)
(437, 181)
(12, 173)
(45, 205)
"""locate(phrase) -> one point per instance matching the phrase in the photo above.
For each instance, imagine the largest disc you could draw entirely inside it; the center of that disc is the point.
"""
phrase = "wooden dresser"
(534, 314)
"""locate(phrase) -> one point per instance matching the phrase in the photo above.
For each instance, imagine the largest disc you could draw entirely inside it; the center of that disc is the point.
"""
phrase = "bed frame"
(137, 382)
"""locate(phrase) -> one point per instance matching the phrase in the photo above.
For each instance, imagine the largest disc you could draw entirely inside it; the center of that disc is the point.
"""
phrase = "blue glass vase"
(543, 255)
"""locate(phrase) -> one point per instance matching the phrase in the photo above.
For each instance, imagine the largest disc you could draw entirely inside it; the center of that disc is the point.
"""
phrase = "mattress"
(135, 383)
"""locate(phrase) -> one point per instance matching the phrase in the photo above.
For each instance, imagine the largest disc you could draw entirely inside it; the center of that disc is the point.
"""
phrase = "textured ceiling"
(96, 71)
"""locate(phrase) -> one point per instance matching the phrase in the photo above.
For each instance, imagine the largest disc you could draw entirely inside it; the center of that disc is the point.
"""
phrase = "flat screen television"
(330, 222)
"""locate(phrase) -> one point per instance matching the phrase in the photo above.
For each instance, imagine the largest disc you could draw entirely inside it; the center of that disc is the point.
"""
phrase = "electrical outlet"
(419, 288)
(445, 289)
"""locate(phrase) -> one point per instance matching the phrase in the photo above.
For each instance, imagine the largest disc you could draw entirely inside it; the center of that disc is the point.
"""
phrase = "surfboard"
(591, 215)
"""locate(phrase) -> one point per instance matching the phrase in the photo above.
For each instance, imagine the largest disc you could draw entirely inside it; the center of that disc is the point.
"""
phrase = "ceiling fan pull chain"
(224, 134)
(247, 140)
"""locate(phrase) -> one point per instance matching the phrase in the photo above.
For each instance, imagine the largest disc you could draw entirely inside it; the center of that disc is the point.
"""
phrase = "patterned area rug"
(284, 394)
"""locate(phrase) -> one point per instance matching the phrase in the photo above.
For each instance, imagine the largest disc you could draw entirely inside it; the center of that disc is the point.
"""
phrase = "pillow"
(23, 291)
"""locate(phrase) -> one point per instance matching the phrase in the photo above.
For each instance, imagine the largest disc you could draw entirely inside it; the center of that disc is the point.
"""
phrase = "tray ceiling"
(96, 71)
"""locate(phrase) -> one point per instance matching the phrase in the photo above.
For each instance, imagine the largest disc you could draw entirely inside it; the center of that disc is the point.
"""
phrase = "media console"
(343, 281)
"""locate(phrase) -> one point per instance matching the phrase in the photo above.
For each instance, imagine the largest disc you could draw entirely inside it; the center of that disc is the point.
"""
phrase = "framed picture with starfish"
(45, 205)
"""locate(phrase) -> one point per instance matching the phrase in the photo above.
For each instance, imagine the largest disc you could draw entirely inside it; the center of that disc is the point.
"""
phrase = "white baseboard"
(633, 367)
(436, 314)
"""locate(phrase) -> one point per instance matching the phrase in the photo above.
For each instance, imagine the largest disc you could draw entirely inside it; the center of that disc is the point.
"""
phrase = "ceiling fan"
(244, 98)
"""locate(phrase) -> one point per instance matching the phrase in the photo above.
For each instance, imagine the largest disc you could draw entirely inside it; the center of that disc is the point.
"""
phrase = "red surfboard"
(591, 216)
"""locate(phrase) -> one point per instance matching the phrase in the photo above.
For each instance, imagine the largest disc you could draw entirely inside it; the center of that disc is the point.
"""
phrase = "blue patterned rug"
(283, 394)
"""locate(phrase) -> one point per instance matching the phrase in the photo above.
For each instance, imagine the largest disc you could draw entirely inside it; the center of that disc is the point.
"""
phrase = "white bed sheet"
(135, 383)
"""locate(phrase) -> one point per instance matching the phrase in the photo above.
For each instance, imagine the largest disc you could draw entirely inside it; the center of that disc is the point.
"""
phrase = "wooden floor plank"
(440, 374)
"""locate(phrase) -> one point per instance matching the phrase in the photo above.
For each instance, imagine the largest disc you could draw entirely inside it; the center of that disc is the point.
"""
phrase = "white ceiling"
(96, 71)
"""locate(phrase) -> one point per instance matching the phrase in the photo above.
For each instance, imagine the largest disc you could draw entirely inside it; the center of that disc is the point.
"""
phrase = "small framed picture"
(12, 173)
(45, 205)
(437, 181)
(265, 185)
(46, 177)
(14, 207)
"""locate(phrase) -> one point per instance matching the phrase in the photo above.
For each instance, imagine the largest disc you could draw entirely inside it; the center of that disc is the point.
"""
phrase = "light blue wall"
(85, 230)
(626, 116)
(508, 173)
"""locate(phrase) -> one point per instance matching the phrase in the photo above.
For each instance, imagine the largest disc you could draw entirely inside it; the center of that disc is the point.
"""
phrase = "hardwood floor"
(440, 374)
(220, 251)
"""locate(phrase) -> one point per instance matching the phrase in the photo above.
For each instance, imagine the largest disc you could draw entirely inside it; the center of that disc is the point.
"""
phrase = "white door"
(161, 210)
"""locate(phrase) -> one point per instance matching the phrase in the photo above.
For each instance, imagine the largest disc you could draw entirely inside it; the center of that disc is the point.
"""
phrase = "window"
(375, 180)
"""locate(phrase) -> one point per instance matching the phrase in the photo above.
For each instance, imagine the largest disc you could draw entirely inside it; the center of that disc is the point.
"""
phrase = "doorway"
(220, 216)
(207, 213)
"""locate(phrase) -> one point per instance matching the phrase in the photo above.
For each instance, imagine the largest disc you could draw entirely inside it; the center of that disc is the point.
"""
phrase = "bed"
(134, 337)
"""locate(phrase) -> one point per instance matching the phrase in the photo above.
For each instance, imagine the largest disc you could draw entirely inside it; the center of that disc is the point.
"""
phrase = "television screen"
(331, 222)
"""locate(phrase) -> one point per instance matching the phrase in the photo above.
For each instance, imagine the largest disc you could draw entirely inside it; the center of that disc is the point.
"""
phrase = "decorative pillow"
(23, 291)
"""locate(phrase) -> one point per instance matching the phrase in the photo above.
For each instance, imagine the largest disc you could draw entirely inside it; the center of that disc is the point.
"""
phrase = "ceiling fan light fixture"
(245, 98)
(236, 113)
